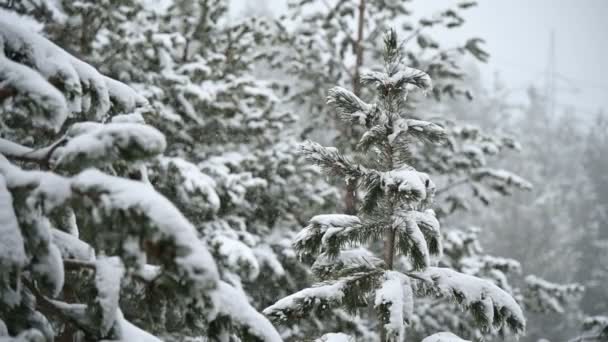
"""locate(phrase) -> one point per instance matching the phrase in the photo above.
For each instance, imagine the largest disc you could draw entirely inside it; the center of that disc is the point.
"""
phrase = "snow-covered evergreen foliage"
(396, 209)
(86, 232)
(327, 43)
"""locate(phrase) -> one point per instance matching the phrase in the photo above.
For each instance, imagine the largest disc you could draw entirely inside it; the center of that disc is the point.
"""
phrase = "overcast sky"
(518, 32)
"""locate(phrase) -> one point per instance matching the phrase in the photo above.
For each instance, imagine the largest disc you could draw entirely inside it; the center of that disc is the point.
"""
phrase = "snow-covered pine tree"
(231, 165)
(396, 209)
(84, 233)
(470, 179)
(329, 42)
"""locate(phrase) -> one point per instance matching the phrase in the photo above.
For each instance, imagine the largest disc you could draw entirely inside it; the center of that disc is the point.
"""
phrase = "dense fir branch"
(397, 81)
(411, 241)
(332, 161)
(500, 179)
(47, 105)
(490, 306)
(425, 130)
(543, 296)
(347, 262)
(350, 292)
(331, 233)
(350, 107)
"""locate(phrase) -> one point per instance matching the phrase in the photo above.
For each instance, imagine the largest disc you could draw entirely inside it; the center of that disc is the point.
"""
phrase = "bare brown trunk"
(350, 199)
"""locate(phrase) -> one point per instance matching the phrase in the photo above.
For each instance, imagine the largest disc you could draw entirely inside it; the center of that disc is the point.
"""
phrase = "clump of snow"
(234, 304)
(86, 89)
(444, 337)
(131, 333)
(71, 247)
(128, 118)
(29, 83)
(321, 293)
(165, 222)
(400, 80)
(469, 290)
(357, 258)
(334, 337)
(266, 256)
(350, 106)
(108, 276)
(12, 251)
(124, 95)
(49, 190)
(91, 144)
(395, 295)
(409, 182)
(193, 182)
(502, 176)
(236, 256)
(335, 220)
(49, 268)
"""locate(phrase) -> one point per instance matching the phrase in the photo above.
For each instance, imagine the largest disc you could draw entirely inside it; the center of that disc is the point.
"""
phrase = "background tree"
(326, 43)
(395, 209)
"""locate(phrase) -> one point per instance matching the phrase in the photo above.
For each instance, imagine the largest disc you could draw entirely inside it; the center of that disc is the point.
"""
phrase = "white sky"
(518, 32)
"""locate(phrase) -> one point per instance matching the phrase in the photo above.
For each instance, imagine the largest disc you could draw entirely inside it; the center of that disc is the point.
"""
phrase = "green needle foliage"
(396, 208)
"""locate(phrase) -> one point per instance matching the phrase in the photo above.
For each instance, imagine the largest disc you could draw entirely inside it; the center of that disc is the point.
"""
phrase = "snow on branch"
(108, 275)
(394, 303)
(595, 328)
(124, 96)
(161, 224)
(444, 337)
(491, 306)
(45, 190)
(350, 292)
(234, 304)
(12, 252)
(196, 191)
(129, 332)
(418, 236)
(95, 144)
(322, 231)
(345, 263)
(386, 83)
(350, 107)
(332, 161)
(426, 130)
(429, 225)
(544, 296)
(27, 86)
(236, 256)
(500, 179)
(84, 89)
(335, 337)
(408, 184)
(71, 247)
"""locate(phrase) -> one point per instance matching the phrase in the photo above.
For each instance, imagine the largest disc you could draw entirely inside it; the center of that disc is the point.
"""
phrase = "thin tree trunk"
(350, 200)
(389, 247)
(389, 236)
(359, 49)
